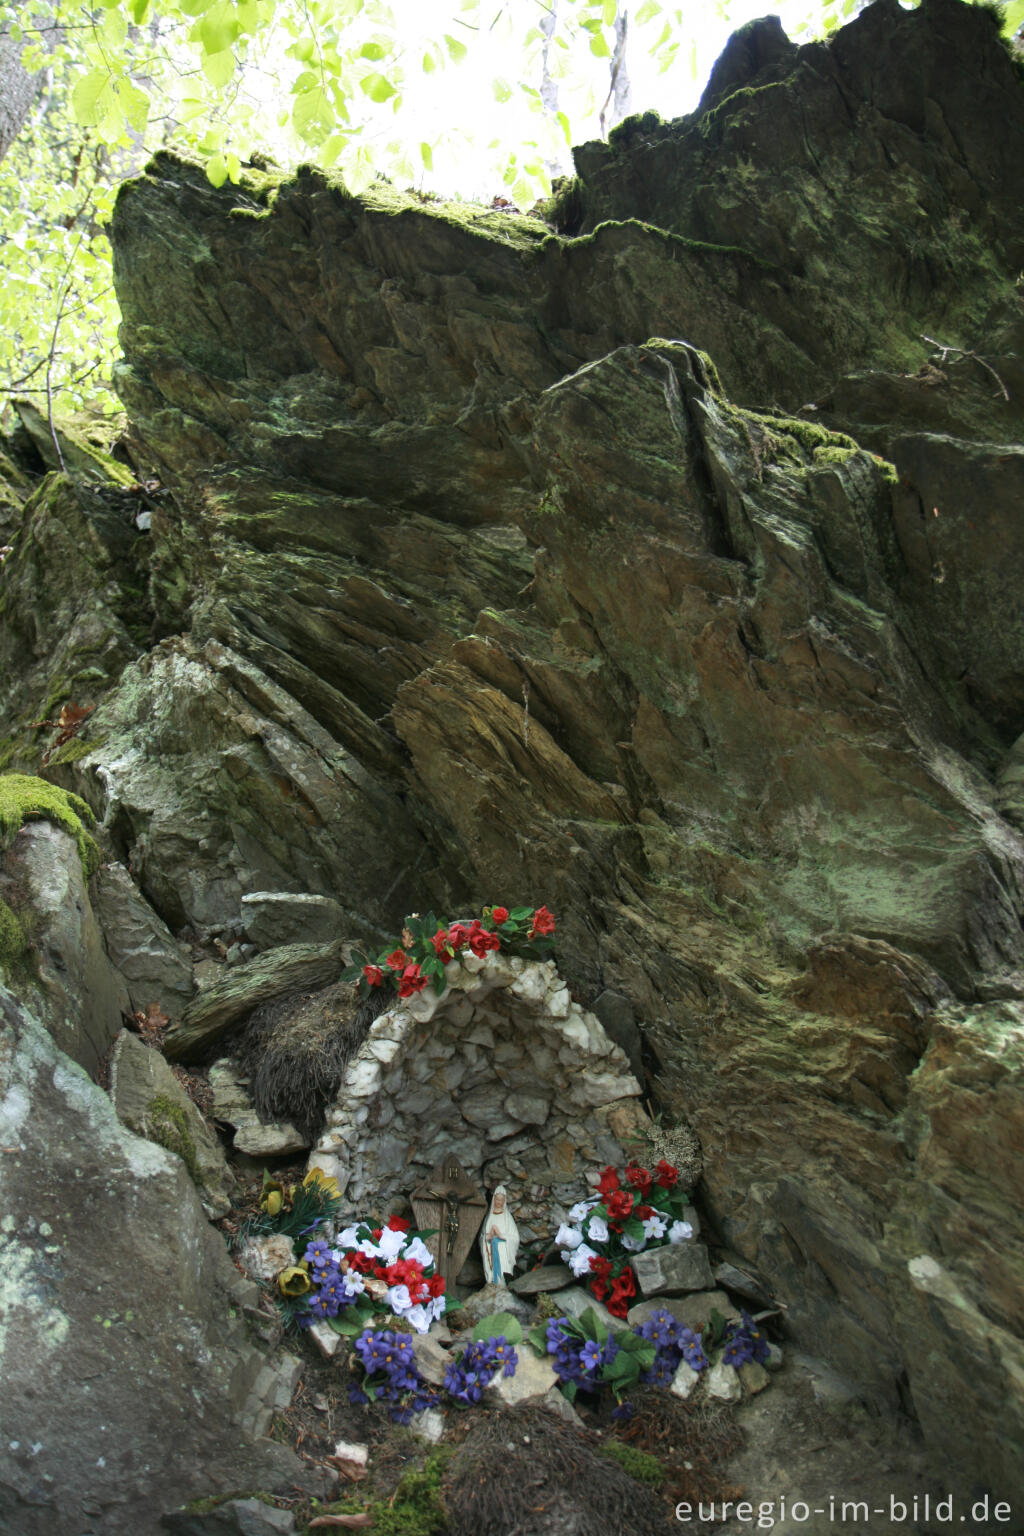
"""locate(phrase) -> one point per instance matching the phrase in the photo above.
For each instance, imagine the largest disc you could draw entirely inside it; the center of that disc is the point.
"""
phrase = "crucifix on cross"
(450, 1207)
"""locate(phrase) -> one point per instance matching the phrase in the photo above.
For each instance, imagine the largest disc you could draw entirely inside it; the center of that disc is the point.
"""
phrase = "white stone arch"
(504, 1070)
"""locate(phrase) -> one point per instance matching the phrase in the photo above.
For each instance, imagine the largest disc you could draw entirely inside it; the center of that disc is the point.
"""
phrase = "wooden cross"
(451, 1208)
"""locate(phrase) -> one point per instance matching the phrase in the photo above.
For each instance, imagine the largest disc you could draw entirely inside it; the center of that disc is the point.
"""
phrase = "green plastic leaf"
(377, 87)
(592, 1326)
(351, 1327)
(501, 1324)
(568, 1390)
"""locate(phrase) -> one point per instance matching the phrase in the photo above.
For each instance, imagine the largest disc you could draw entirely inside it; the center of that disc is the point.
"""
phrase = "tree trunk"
(18, 90)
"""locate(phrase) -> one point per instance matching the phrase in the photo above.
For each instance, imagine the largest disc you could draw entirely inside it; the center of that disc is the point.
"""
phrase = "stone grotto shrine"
(504, 1071)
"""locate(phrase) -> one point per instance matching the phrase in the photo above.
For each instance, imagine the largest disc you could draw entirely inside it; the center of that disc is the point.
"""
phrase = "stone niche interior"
(505, 1071)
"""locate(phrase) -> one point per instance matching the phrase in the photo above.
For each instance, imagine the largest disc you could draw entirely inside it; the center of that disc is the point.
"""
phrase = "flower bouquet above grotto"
(428, 945)
(602, 1233)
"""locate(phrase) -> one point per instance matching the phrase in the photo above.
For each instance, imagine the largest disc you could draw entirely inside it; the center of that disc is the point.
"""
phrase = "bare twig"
(945, 351)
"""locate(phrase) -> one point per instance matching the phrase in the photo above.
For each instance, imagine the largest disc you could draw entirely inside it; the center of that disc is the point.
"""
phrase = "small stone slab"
(256, 1137)
(534, 1378)
(490, 1300)
(673, 1270)
(724, 1383)
(574, 1301)
(685, 1381)
(546, 1277)
(432, 1358)
(292, 968)
(754, 1377)
(742, 1284)
(691, 1311)
(275, 918)
(326, 1340)
(428, 1426)
(235, 1517)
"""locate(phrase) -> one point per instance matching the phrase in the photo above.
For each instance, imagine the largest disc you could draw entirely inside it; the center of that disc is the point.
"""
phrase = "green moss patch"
(167, 1125)
(13, 940)
(416, 1508)
(638, 1464)
(24, 798)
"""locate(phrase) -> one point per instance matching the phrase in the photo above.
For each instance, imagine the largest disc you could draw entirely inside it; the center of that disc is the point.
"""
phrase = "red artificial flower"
(499, 915)
(434, 1285)
(666, 1175)
(397, 959)
(412, 981)
(376, 1234)
(458, 936)
(639, 1178)
(440, 943)
(600, 1266)
(608, 1181)
(643, 1211)
(374, 975)
(398, 1224)
(361, 1263)
(623, 1287)
(619, 1204)
(599, 1288)
(480, 941)
(543, 923)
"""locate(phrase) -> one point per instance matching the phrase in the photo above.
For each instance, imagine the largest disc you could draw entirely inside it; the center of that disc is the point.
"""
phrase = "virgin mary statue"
(499, 1239)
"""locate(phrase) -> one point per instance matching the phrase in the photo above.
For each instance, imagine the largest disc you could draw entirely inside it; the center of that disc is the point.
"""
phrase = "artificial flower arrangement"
(366, 1269)
(428, 945)
(602, 1233)
(391, 1376)
(588, 1355)
(371, 1269)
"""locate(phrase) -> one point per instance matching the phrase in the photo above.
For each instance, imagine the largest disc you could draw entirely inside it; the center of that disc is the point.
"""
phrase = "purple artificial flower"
(318, 1254)
(591, 1355)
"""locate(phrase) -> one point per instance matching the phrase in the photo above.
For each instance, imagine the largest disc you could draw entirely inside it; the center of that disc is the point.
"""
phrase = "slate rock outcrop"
(648, 563)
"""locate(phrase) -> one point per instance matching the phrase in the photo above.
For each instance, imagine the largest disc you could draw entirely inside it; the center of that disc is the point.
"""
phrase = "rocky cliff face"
(648, 563)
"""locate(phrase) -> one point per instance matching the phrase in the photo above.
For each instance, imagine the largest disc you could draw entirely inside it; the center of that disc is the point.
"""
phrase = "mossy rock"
(13, 939)
(25, 798)
(167, 1124)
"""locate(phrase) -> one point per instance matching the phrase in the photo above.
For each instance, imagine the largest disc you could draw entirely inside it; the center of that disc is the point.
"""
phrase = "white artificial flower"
(419, 1251)
(654, 1226)
(437, 1308)
(352, 1283)
(580, 1261)
(597, 1230)
(369, 1247)
(632, 1244)
(579, 1211)
(350, 1237)
(399, 1299)
(420, 1316)
(390, 1245)
(680, 1232)
(568, 1237)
